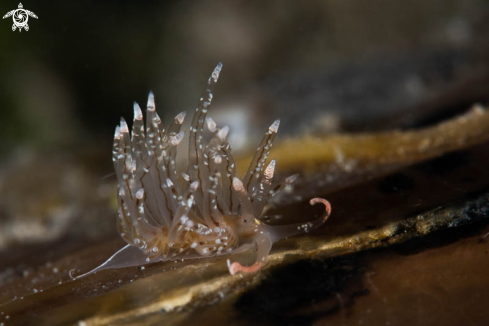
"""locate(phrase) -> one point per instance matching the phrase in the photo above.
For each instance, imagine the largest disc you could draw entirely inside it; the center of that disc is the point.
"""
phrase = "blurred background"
(321, 66)
(82, 64)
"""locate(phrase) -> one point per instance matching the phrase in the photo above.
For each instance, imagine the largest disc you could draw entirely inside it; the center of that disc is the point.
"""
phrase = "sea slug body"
(165, 214)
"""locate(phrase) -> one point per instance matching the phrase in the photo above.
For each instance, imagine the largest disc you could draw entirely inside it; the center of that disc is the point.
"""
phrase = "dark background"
(82, 64)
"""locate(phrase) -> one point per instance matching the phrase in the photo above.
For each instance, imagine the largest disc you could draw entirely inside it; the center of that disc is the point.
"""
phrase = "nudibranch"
(165, 214)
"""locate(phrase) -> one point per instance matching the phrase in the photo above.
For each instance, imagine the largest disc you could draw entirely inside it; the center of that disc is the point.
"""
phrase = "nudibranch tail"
(127, 256)
(167, 214)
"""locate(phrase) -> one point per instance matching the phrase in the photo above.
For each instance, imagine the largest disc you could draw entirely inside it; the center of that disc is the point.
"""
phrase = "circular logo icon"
(20, 17)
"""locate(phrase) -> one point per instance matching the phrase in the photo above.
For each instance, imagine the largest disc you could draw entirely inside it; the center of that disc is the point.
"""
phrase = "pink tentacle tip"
(236, 267)
(327, 205)
(73, 278)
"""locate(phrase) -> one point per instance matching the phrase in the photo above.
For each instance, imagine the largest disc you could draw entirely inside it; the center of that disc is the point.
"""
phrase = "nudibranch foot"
(236, 267)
